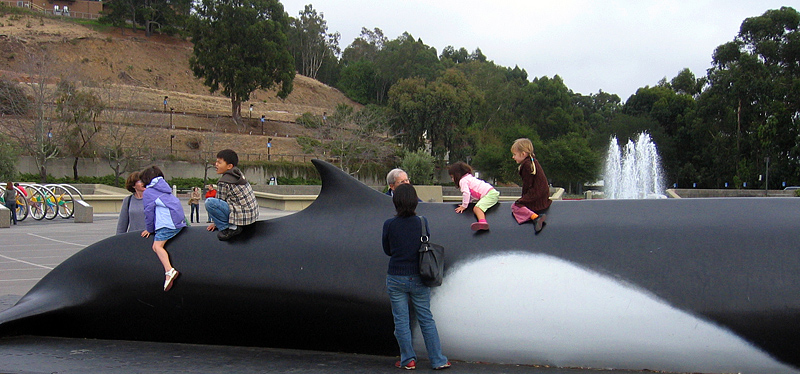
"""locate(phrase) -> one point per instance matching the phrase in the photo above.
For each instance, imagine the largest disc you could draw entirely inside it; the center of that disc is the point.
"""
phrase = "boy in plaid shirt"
(235, 205)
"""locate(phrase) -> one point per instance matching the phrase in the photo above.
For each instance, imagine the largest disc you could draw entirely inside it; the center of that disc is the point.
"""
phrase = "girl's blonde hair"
(524, 145)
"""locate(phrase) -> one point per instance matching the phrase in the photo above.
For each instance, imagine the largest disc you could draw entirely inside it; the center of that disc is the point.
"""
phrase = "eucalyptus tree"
(435, 114)
(310, 42)
(242, 46)
(753, 100)
(358, 77)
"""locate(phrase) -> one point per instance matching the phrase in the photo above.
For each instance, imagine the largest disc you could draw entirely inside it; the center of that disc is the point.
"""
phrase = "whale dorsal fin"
(339, 188)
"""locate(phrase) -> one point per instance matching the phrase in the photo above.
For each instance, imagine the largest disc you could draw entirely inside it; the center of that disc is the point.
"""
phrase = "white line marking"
(20, 280)
(57, 241)
(24, 269)
(25, 262)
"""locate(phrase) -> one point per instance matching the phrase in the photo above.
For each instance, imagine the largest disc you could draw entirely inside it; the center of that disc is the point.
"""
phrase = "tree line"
(721, 128)
(725, 127)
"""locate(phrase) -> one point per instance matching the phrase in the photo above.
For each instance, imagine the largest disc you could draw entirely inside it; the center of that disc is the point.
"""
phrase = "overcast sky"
(614, 46)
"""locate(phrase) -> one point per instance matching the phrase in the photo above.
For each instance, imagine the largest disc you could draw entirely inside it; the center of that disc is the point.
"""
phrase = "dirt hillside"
(133, 74)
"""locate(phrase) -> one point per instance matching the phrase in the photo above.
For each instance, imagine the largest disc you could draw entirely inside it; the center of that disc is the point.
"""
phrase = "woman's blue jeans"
(405, 288)
(219, 211)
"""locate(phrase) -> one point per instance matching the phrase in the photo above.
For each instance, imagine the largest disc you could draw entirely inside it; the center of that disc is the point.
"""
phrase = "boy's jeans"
(218, 210)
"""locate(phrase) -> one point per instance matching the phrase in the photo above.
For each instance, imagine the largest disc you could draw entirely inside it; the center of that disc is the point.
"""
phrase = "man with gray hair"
(395, 178)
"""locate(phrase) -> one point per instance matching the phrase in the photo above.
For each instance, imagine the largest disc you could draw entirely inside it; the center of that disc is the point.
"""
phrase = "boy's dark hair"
(147, 175)
(459, 170)
(229, 156)
(131, 181)
(405, 200)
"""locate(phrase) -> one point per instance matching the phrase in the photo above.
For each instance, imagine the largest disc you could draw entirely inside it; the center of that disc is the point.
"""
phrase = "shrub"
(8, 157)
(419, 166)
(188, 183)
(309, 120)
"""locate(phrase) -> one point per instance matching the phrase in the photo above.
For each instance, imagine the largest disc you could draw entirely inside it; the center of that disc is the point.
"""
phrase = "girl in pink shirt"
(473, 189)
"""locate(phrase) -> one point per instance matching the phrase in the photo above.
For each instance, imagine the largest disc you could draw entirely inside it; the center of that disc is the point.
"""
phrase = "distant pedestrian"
(10, 201)
(194, 204)
(211, 191)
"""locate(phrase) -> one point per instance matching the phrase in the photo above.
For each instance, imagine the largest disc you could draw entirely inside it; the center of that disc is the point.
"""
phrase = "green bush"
(309, 120)
(8, 158)
(188, 183)
(419, 166)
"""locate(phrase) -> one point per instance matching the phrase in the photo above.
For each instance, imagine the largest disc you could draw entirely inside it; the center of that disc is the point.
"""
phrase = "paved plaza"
(29, 250)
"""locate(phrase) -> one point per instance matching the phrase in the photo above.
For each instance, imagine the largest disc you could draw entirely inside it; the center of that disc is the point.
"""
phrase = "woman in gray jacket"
(131, 216)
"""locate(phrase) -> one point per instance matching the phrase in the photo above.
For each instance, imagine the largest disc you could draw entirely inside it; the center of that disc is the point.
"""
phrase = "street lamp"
(766, 182)
(170, 117)
(170, 143)
(269, 147)
(262, 124)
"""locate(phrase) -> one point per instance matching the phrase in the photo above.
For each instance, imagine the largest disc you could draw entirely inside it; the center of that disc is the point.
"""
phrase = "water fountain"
(635, 171)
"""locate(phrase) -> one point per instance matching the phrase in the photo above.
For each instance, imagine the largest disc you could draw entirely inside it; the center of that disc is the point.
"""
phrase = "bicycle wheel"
(22, 205)
(37, 200)
(63, 200)
(27, 193)
(51, 204)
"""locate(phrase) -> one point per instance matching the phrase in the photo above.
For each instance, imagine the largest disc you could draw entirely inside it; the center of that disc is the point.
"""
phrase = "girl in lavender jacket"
(163, 215)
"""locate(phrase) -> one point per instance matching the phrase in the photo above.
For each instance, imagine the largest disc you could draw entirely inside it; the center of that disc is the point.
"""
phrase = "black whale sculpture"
(614, 284)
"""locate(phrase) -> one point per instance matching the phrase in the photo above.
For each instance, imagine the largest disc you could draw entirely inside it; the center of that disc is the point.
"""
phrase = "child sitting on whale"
(235, 205)
(473, 189)
(535, 189)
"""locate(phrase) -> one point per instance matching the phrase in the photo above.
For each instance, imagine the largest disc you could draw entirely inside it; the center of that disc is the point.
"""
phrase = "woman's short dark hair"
(405, 200)
(147, 175)
(131, 181)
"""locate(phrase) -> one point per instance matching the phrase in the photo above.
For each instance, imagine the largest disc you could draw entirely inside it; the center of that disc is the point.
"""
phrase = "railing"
(191, 155)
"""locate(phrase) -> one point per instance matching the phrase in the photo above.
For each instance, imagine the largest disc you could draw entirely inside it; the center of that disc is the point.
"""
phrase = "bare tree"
(37, 132)
(123, 144)
(354, 138)
(78, 110)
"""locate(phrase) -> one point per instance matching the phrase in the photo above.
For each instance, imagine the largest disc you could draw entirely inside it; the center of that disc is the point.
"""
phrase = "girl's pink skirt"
(521, 213)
